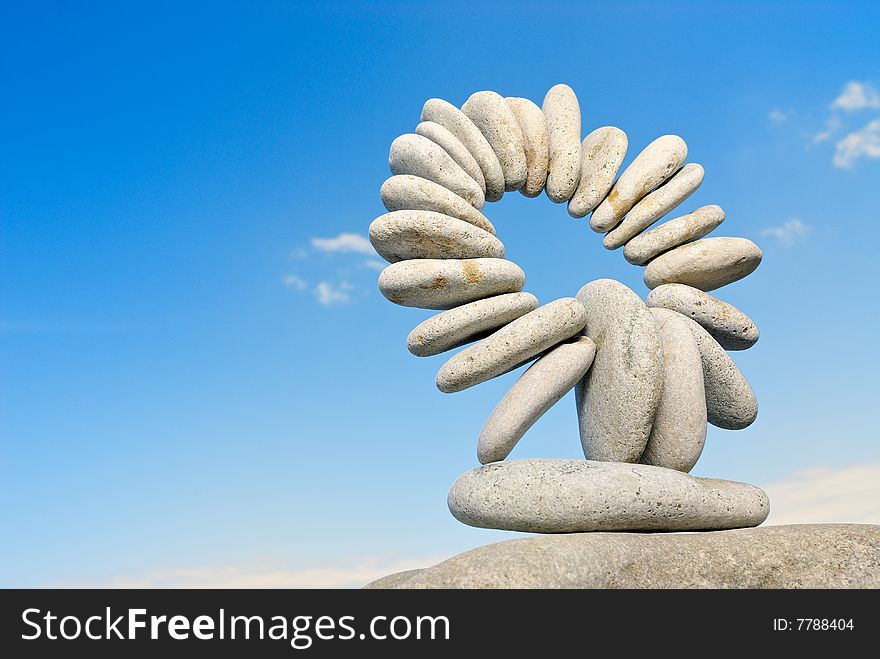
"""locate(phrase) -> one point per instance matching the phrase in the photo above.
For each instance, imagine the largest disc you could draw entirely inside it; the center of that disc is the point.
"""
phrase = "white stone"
(656, 205)
(573, 496)
(673, 233)
(402, 235)
(602, 154)
(706, 264)
(730, 401)
(542, 385)
(512, 345)
(563, 115)
(618, 397)
(499, 126)
(534, 129)
(733, 329)
(457, 123)
(419, 156)
(655, 164)
(469, 322)
(448, 283)
(453, 146)
(679, 429)
(408, 192)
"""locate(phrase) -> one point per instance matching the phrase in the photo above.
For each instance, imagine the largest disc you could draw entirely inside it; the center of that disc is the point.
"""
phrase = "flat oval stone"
(419, 156)
(512, 345)
(602, 154)
(656, 205)
(467, 323)
(730, 401)
(402, 235)
(573, 496)
(668, 235)
(457, 123)
(448, 283)
(679, 429)
(496, 121)
(534, 129)
(542, 385)
(656, 163)
(618, 397)
(453, 146)
(706, 264)
(733, 329)
(563, 115)
(408, 192)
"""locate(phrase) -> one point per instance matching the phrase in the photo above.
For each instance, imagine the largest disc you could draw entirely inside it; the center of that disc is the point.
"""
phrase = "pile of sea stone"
(647, 376)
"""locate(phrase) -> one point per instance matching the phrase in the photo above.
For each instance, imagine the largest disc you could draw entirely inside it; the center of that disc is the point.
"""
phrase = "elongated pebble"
(679, 429)
(563, 115)
(410, 234)
(673, 233)
(407, 192)
(730, 401)
(656, 163)
(542, 385)
(733, 329)
(656, 205)
(498, 124)
(457, 123)
(453, 146)
(448, 283)
(513, 345)
(419, 156)
(534, 128)
(706, 264)
(602, 154)
(469, 322)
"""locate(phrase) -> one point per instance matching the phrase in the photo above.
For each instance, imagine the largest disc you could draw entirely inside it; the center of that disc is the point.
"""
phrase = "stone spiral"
(648, 376)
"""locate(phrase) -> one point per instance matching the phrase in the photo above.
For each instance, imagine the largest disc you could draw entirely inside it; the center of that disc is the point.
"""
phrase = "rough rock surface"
(794, 556)
(563, 115)
(706, 264)
(673, 233)
(534, 129)
(453, 146)
(602, 154)
(493, 116)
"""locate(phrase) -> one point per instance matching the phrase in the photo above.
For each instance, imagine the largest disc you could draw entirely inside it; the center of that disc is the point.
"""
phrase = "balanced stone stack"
(648, 375)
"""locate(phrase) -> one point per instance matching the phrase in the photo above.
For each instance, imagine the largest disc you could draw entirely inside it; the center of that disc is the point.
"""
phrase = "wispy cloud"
(330, 294)
(857, 96)
(777, 116)
(295, 282)
(352, 573)
(847, 495)
(375, 264)
(861, 143)
(344, 242)
(789, 232)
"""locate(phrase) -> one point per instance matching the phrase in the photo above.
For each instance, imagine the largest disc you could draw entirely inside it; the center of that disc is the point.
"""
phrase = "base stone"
(794, 556)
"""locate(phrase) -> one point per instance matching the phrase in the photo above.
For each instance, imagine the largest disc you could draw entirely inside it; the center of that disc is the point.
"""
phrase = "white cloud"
(778, 116)
(353, 573)
(847, 495)
(789, 232)
(329, 294)
(295, 282)
(344, 242)
(864, 142)
(857, 96)
(374, 264)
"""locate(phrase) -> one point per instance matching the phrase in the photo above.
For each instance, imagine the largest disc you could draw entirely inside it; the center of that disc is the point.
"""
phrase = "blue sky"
(199, 375)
